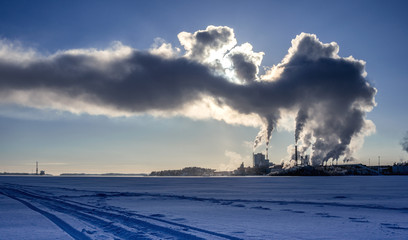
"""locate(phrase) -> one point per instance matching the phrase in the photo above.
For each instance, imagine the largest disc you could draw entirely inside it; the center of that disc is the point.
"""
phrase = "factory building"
(260, 160)
(400, 169)
(304, 160)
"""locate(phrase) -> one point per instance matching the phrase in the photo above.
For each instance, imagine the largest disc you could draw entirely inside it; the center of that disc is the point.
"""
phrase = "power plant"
(261, 160)
(300, 164)
(42, 172)
(304, 160)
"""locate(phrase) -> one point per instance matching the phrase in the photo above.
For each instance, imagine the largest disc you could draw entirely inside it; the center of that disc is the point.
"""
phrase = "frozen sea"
(352, 207)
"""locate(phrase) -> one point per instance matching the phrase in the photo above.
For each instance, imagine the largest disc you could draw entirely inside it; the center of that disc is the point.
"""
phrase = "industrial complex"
(301, 166)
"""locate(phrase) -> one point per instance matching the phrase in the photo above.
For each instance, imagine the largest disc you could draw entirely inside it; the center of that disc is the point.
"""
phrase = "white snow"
(353, 207)
(18, 222)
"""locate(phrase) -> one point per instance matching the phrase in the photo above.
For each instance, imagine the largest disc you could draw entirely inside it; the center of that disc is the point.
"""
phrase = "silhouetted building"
(240, 171)
(400, 169)
(260, 160)
(304, 160)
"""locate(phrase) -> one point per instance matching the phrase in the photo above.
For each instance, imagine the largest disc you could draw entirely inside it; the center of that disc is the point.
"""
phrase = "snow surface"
(353, 207)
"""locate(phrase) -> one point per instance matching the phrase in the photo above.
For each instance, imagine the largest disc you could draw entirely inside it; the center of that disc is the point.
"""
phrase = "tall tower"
(296, 154)
(36, 168)
(266, 156)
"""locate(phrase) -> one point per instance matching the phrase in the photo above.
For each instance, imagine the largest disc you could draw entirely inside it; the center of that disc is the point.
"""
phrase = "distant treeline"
(9, 173)
(188, 171)
(103, 174)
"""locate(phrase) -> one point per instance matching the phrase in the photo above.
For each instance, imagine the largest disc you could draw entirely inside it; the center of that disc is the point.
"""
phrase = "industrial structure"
(400, 168)
(304, 160)
(260, 160)
(296, 155)
(42, 172)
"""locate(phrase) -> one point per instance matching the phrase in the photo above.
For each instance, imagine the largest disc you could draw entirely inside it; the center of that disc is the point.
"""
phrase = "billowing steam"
(214, 78)
(404, 142)
(300, 123)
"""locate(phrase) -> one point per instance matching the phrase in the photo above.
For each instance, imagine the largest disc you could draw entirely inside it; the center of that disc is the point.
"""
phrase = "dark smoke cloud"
(138, 83)
(245, 62)
(329, 93)
(404, 142)
(245, 70)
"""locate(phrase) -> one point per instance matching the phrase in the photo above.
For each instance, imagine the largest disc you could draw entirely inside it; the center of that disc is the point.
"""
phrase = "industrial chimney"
(36, 168)
(266, 156)
(296, 155)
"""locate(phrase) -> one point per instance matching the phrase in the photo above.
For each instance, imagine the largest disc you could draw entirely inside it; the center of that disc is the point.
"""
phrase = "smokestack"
(296, 154)
(36, 168)
(266, 156)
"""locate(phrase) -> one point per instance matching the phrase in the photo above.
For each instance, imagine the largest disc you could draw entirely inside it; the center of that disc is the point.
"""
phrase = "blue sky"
(373, 31)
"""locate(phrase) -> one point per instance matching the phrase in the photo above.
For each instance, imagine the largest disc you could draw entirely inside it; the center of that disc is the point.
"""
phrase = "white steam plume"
(215, 78)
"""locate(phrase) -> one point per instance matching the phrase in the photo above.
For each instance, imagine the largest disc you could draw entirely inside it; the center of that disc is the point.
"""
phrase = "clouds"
(214, 78)
(245, 62)
(136, 82)
(217, 48)
(209, 44)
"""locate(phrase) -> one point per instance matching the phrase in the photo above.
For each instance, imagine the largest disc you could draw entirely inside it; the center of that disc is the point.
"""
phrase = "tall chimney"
(36, 168)
(296, 154)
(266, 157)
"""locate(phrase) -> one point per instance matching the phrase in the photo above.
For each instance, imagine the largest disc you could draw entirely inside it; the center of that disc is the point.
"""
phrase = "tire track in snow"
(166, 221)
(231, 201)
(56, 220)
(109, 221)
(221, 201)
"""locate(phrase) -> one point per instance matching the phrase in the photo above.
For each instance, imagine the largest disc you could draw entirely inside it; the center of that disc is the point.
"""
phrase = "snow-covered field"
(354, 207)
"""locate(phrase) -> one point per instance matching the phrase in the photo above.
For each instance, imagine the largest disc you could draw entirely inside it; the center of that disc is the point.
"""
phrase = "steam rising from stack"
(404, 142)
(329, 95)
(300, 123)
